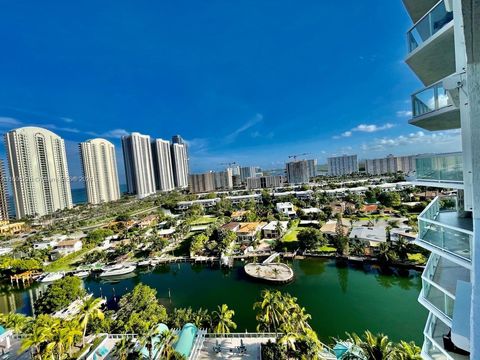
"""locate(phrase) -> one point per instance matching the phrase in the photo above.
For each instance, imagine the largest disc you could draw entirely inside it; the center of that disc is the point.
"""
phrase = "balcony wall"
(440, 168)
(442, 231)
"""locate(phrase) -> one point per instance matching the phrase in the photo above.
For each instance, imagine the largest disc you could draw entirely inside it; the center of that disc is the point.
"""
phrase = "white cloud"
(419, 141)
(250, 123)
(368, 128)
(67, 119)
(9, 121)
(115, 133)
(404, 113)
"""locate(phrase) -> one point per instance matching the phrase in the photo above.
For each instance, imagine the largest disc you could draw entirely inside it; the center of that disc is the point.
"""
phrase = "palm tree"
(223, 320)
(147, 342)
(272, 311)
(167, 339)
(408, 351)
(90, 310)
(375, 347)
(34, 340)
(15, 322)
(122, 348)
(71, 330)
(384, 252)
(402, 247)
(275, 272)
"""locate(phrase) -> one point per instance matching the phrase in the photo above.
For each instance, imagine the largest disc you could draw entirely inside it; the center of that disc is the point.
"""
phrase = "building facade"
(312, 168)
(100, 173)
(443, 55)
(38, 167)
(224, 179)
(247, 172)
(137, 155)
(201, 183)
(162, 164)
(180, 165)
(265, 182)
(390, 165)
(342, 165)
(297, 172)
(4, 215)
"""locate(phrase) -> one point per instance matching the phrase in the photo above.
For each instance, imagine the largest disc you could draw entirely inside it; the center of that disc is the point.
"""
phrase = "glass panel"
(430, 99)
(446, 167)
(453, 241)
(435, 20)
(438, 298)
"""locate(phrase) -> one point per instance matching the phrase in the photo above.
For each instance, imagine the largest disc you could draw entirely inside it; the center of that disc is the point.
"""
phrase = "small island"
(269, 271)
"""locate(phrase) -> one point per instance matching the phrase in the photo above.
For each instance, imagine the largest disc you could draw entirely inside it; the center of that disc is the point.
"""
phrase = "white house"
(285, 208)
(270, 230)
(66, 247)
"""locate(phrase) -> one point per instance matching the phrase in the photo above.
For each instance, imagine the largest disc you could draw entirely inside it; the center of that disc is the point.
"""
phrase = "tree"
(408, 351)
(222, 320)
(390, 199)
(17, 323)
(167, 340)
(375, 347)
(122, 348)
(138, 309)
(402, 247)
(310, 238)
(60, 294)
(90, 309)
(271, 311)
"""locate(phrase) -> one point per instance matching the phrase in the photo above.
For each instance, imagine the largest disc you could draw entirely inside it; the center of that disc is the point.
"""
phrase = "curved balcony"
(443, 232)
(431, 45)
(433, 110)
(439, 170)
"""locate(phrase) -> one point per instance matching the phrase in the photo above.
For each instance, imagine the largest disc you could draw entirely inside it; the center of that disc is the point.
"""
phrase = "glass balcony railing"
(430, 99)
(428, 25)
(440, 168)
(433, 292)
(441, 227)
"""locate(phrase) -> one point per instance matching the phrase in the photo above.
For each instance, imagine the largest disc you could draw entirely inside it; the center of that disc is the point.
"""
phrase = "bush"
(273, 351)
(60, 294)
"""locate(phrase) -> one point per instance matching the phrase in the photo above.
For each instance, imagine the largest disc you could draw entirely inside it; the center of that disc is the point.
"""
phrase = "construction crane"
(297, 155)
(229, 164)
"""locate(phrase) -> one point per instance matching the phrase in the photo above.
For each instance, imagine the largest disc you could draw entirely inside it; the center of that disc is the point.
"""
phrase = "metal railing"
(451, 239)
(440, 168)
(428, 25)
(430, 99)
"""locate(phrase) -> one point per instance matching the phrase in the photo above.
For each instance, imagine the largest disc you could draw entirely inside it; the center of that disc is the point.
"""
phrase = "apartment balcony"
(443, 232)
(436, 347)
(433, 110)
(439, 284)
(439, 170)
(416, 9)
(431, 48)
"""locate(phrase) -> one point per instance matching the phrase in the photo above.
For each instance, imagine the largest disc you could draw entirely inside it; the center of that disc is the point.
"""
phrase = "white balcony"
(433, 110)
(439, 170)
(431, 45)
(439, 283)
(436, 347)
(416, 9)
(442, 231)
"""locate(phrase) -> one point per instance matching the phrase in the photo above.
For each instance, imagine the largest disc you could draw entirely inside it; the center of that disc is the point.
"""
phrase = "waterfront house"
(270, 231)
(66, 247)
(248, 231)
(286, 208)
(330, 227)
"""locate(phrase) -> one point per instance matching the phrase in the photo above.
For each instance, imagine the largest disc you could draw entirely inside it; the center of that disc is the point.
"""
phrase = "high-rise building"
(3, 193)
(342, 165)
(162, 161)
(265, 182)
(236, 170)
(390, 165)
(39, 172)
(312, 168)
(247, 172)
(180, 165)
(201, 183)
(298, 172)
(443, 51)
(100, 173)
(137, 154)
(224, 179)
(177, 139)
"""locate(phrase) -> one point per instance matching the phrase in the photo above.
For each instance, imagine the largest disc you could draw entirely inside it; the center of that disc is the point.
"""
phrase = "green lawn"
(65, 263)
(203, 220)
(327, 248)
(417, 258)
(291, 235)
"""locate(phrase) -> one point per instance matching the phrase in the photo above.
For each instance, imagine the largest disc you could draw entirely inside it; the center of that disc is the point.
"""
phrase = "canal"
(340, 299)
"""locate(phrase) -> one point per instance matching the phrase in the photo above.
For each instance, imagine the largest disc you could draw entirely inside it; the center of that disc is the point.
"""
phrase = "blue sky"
(245, 81)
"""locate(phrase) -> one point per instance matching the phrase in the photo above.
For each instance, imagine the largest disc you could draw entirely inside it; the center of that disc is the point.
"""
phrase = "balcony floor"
(451, 218)
(448, 273)
(438, 332)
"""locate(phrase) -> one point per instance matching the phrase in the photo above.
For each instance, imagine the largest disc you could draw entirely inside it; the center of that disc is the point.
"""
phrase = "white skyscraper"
(137, 154)
(38, 167)
(180, 165)
(297, 172)
(342, 165)
(162, 161)
(100, 171)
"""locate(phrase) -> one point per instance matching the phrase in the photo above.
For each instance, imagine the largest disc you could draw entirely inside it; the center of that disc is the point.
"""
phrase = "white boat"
(50, 277)
(81, 274)
(112, 267)
(144, 263)
(125, 269)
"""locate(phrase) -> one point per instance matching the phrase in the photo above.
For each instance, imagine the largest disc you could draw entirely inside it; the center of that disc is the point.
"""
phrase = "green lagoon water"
(339, 299)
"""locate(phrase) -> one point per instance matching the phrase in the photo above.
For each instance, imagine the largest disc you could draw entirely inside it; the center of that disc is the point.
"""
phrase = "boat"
(50, 277)
(124, 269)
(81, 274)
(144, 263)
(111, 267)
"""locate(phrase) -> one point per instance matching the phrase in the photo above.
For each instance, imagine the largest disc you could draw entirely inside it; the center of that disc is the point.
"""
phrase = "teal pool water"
(340, 299)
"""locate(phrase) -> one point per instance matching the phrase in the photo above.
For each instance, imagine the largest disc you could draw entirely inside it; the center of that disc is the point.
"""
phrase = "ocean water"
(79, 196)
